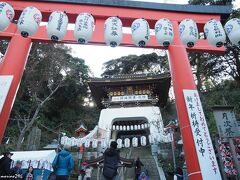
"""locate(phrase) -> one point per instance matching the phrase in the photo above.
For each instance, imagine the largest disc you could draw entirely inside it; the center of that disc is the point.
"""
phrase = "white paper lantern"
(139, 127)
(29, 21)
(104, 143)
(94, 143)
(114, 127)
(158, 138)
(84, 27)
(131, 127)
(87, 143)
(6, 15)
(164, 32)
(127, 142)
(69, 142)
(188, 32)
(151, 139)
(140, 32)
(57, 25)
(64, 140)
(74, 141)
(232, 29)
(142, 126)
(143, 141)
(117, 127)
(135, 127)
(124, 128)
(119, 143)
(128, 128)
(215, 33)
(135, 142)
(79, 142)
(146, 125)
(120, 128)
(113, 31)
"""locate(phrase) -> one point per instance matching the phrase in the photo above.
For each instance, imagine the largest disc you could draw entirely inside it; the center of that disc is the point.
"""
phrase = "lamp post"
(60, 134)
(170, 128)
(173, 151)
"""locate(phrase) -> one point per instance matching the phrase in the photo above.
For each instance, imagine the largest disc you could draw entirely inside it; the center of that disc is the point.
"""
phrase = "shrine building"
(130, 104)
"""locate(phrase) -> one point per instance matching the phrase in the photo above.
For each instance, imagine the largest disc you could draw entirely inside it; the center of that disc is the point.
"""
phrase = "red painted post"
(13, 64)
(182, 78)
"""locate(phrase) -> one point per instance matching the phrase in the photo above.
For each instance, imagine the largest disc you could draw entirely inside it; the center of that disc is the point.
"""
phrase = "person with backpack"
(63, 163)
(111, 161)
(5, 165)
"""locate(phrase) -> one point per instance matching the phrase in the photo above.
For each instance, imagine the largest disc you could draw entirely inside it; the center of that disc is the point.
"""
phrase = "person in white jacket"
(88, 173)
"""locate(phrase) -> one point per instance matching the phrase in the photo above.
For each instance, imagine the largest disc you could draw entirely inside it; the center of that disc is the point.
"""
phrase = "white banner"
(130, 98)
(226, 121)
(203, 144)
(5, 83)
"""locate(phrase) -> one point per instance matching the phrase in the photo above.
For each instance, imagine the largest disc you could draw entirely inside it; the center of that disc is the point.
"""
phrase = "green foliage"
(133, 64)
(226, 93)
(51, 66)
(210, 2)
(212, 67)
(166, 164)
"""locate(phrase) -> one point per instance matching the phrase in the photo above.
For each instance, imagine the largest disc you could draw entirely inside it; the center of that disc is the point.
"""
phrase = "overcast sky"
(95, 56)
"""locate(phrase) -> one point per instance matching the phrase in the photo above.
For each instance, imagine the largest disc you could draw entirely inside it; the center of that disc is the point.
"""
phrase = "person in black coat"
(111, 161)
(5, 165)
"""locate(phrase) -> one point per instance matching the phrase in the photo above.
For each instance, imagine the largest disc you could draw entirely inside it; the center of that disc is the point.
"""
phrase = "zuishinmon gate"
(199, 154)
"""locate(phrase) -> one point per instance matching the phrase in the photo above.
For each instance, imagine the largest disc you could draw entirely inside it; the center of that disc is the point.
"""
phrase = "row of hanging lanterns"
(155, 138)
(104, 142)
(121, 143)
(31, 17)
(130, 127)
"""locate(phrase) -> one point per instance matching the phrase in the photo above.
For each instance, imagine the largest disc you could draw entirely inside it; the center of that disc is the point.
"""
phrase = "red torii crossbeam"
(16, 56)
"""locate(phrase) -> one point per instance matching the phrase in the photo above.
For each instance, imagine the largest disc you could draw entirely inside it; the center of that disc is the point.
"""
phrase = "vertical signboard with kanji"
(226, 121)
(203, 144)
(5, 83)
(228, 132)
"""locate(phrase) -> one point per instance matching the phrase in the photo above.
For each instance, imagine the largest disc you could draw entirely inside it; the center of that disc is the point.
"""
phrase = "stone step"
(145, 156)
(144, 153)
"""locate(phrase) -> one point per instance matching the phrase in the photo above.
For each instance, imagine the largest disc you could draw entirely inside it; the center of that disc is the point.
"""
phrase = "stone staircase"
(144, 153)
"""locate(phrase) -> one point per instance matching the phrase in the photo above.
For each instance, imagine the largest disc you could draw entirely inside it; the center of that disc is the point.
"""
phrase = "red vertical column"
(182, 78)
(13, 64)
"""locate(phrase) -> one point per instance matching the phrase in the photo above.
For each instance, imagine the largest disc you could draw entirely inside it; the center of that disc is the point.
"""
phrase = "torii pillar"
(182, 78)
(13, 64)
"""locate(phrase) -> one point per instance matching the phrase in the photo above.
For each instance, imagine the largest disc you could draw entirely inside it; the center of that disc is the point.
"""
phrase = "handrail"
(99, 161)
(159, 169)
(128, 156)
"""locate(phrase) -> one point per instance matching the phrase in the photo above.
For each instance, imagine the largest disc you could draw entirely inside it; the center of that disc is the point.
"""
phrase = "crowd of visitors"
(63, 164)
(6, 172)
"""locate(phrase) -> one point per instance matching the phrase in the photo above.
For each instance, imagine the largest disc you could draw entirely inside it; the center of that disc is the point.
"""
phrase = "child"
(29, 174)
(88, 173)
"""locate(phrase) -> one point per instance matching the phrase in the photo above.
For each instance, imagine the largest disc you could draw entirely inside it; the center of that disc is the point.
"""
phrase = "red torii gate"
(16, 56)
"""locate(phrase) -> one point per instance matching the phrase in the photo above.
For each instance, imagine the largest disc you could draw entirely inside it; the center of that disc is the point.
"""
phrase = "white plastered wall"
(151, 114)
